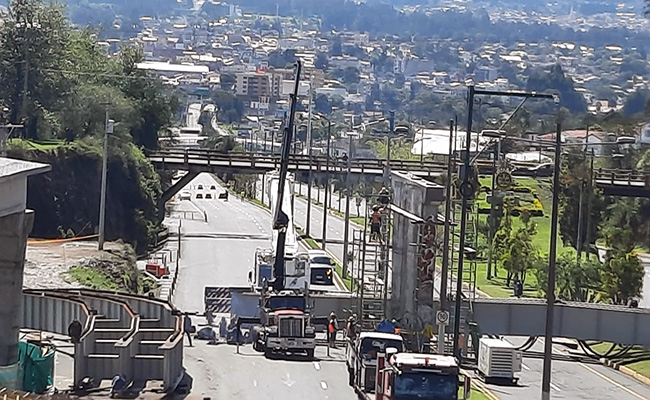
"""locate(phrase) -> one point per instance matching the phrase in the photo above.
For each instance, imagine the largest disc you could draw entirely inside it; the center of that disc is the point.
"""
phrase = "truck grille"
(291, 327)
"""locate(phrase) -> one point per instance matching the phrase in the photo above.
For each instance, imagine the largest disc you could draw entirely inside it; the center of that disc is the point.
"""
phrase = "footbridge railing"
(136, 336)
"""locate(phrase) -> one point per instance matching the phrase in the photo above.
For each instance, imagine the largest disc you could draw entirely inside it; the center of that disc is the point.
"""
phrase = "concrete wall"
(14, 229)
(421, 198)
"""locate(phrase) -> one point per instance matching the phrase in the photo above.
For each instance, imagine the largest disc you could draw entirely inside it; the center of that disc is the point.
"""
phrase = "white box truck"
(498, 361)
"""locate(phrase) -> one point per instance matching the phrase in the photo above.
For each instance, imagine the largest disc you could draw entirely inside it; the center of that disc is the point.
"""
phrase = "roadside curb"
(626, 370)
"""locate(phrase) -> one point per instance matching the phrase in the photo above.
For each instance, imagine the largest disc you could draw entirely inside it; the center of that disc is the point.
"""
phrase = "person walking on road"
(188, 329)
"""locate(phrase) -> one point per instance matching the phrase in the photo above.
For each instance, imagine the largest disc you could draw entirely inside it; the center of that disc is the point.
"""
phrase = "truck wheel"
(268, 352)
(310, 354)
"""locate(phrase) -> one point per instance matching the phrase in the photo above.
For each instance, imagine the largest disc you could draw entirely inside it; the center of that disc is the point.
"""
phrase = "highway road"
(220, 252)
(580, 378)
(571, 379)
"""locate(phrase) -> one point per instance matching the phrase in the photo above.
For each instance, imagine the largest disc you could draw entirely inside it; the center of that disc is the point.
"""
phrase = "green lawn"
(38, 145)
(496, 287)
(337, 267)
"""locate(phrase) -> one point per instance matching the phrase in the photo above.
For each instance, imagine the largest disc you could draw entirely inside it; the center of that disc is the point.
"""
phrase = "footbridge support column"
(15, 224)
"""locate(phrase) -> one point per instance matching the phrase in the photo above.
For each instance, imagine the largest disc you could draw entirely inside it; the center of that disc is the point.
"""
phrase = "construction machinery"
(285, 322)
(361, 357)
(406, 376)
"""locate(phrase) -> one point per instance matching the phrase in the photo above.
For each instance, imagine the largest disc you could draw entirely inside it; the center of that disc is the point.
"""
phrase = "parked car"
(544, 170)
(200, 187)
(208, 195)
(213, 187)
(199, 195)
(185, 195)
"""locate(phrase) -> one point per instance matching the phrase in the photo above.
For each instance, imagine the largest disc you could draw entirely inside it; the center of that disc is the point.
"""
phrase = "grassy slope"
(496, 287)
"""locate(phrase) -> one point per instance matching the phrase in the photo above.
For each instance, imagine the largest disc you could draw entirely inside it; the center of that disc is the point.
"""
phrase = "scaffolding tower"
(371, 263)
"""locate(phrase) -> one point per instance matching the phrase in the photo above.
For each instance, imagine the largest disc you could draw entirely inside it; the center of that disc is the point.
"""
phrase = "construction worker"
(188, 329)
(384, 196)
(375, 224)
(332, 327)
(350, 328)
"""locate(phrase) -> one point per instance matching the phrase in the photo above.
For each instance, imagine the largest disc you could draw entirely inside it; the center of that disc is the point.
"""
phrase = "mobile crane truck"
(285, 322)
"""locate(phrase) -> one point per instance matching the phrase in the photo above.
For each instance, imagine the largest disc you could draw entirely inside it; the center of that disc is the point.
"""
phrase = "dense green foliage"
(67, 198)
(71, 83)
(69, 79)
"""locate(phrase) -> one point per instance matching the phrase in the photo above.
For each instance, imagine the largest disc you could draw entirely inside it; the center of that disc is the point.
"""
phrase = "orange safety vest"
(330, 327)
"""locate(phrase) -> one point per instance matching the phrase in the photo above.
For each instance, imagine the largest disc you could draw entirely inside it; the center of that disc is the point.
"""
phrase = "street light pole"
(327, 182)
(311, 163)
(108, 128)
(444, 275)
(466, 192)
(346, 234)
(550, 290)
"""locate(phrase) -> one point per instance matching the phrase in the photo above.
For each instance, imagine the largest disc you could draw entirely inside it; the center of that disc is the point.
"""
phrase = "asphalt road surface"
(572, 378)
(220, 252)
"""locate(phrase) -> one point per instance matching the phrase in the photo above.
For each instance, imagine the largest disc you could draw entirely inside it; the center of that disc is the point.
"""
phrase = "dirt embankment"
(79, 264)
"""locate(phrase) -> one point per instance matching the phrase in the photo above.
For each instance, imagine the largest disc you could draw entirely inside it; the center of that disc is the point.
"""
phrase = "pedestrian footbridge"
(136, 336)
(510, 317)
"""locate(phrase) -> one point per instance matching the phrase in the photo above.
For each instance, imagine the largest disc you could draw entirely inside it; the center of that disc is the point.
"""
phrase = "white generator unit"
(498, 361)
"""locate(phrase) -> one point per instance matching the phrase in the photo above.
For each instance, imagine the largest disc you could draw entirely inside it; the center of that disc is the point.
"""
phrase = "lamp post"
(346, 234)
(327, 179)
(467, 189)
(102, 200)
(495, 135)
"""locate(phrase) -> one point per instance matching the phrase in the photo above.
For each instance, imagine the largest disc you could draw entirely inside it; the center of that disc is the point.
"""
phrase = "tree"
(574, 281)
(33, 37)
(635, 103)
(575, 178)
(520, 254)
(153, 107)
(231, 109)
(500, 242)
(622, 274)
(336, 47)
(322, 62)
(556, 80)
(227, 81)
(322, 104)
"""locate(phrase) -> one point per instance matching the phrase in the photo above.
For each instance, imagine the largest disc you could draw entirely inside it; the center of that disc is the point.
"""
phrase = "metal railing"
(622, 177)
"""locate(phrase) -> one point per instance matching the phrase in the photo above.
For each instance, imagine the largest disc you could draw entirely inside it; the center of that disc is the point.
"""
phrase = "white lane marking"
(526, 367)
(323, 385)
(613, 382)
(317, 365)
(555, 387)
(254, 383)
(288, 381)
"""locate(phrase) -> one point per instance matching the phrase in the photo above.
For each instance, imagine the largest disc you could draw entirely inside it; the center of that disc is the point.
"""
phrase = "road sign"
(442, 317)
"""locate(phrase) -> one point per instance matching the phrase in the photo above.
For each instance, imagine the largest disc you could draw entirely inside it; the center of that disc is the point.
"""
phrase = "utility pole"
(327, 183)
(580, 207)
(346, 234)
(311, 164)
(550, 290)
(444, 275)
(466, 191)
(108, 125)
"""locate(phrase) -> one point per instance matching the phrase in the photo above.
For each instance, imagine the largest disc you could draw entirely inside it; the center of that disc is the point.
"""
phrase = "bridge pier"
(414, 200)
(15, 224)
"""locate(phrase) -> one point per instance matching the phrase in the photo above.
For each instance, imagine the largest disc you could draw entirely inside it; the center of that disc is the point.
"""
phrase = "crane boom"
(280, 219)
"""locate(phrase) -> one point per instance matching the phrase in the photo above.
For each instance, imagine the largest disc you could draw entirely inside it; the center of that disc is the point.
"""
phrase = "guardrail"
(622, 177)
